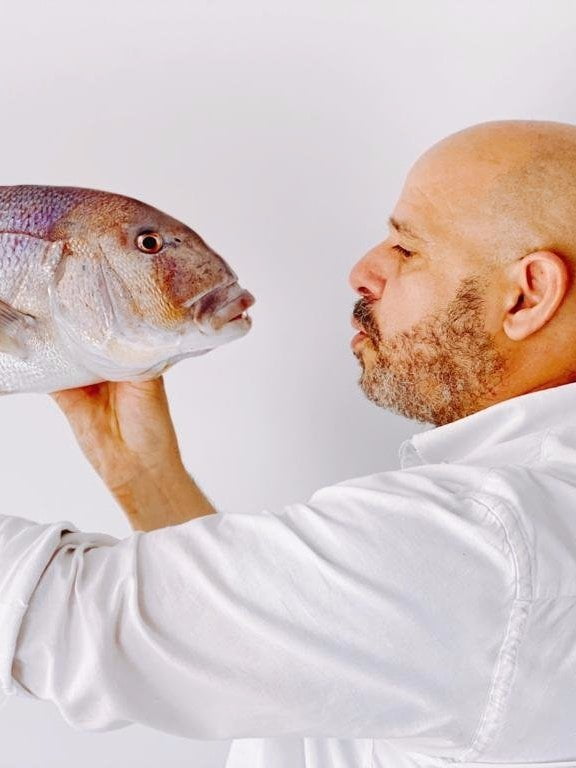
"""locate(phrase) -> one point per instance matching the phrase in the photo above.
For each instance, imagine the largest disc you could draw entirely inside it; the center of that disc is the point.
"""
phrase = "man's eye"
(402, 251)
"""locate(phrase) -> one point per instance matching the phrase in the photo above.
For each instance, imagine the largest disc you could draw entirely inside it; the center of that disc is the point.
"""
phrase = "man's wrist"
(162, 496)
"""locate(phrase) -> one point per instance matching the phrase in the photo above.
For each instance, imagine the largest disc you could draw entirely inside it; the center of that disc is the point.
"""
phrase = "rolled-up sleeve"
(26, 549)
(370, 611)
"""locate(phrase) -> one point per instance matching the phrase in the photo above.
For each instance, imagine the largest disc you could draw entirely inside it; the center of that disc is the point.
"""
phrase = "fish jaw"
(221, 306)
(190, 345)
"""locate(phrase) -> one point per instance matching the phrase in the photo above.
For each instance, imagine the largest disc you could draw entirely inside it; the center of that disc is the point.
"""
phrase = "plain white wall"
(281, 132)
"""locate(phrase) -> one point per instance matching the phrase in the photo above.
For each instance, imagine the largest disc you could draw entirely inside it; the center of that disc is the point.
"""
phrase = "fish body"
(99, 286)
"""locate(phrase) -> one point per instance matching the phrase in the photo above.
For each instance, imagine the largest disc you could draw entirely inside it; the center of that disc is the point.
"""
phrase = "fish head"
(137, 290)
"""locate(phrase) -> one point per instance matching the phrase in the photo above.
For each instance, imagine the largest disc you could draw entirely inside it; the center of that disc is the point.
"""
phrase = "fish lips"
(220, 306)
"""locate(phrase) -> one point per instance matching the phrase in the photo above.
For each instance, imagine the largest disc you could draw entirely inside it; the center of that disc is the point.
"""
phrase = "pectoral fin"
(13, 327)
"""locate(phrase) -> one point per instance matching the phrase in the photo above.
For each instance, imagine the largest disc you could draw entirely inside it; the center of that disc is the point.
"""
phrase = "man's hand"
(124, 428)
(126, 432)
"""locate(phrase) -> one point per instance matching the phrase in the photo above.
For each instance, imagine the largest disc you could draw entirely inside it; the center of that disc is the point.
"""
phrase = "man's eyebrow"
(404, 229)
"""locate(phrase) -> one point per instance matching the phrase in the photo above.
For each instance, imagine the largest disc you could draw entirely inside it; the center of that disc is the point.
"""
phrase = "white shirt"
(418, 617)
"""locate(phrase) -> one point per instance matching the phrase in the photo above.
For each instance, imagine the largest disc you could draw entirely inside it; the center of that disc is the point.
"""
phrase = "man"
(416, 617)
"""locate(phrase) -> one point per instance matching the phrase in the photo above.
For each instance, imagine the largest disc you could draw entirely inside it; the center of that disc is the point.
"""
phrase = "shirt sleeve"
(373, 610)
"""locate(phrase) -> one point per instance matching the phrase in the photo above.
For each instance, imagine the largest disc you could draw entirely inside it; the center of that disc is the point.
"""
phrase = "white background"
(281, 132)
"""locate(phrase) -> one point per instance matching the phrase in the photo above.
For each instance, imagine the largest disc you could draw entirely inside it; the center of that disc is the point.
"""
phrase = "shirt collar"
(486, 429)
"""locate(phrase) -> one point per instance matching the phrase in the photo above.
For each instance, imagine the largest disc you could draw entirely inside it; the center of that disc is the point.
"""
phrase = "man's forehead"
(435, 202)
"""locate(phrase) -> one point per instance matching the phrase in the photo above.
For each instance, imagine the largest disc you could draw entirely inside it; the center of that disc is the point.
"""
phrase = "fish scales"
(35, 209)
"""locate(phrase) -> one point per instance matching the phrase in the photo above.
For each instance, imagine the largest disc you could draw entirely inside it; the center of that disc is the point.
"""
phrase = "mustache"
(362, 314)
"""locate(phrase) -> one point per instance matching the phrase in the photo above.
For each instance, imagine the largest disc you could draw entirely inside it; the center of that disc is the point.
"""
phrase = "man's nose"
(367, 276)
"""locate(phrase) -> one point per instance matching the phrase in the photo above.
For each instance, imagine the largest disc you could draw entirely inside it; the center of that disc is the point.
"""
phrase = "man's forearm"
(164, 497)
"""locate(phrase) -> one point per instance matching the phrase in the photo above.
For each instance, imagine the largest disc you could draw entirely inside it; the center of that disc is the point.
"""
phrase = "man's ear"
(537, 285)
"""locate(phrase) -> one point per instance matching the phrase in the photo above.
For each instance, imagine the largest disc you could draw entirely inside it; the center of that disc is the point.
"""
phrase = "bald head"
(469, 301)
(507, 187)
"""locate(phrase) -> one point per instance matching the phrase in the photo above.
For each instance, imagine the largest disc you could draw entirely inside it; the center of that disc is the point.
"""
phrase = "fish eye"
(149, 242)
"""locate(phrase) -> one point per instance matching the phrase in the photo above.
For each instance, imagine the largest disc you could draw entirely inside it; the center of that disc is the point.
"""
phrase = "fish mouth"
(222, 305)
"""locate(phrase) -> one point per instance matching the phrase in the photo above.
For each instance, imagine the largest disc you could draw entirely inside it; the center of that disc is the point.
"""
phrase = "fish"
(99, 286)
